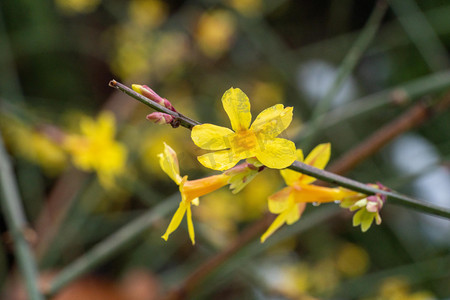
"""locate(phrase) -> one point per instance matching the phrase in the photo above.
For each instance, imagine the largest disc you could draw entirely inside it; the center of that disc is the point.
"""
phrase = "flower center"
(244, 141)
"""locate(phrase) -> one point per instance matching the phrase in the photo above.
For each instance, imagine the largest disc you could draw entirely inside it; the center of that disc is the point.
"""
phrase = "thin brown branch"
(250, 233)
(413, 117)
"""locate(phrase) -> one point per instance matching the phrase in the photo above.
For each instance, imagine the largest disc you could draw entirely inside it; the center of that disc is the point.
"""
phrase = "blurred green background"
(57, 57)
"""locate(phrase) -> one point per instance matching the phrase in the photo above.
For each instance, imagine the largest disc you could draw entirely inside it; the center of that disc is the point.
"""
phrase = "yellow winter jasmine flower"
(290, 202)
(96, 150)
(34, 145)
(244, 141)
(190, 190)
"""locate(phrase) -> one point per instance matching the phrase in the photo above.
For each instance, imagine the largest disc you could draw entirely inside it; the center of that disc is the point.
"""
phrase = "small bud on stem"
(151, 94)
(160, 118)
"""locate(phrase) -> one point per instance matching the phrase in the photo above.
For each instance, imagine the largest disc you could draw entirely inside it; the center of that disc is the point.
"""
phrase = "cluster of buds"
(157, 117)
(368, 208)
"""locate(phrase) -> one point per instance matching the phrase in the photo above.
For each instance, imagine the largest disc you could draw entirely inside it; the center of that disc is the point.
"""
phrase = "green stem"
(111, 245)
(15, 219)
(183, 120)
(353, 185)
(347, 66)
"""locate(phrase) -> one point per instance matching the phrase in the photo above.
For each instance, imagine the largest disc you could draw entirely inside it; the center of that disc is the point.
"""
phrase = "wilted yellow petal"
(272, 121)
(279, 201)
(277, 223)
(190, 224)
(176, 220)
(318, 158)
(220, 160)
(237, 106)
(169, 163)
(277, 153)
(212, 137)
(290, 176)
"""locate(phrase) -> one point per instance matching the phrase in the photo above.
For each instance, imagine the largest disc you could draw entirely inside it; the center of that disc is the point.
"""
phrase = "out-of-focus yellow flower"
(215, 32)
(290, 279)
(222, 219)
(46, 153)
(352, 260)
(267, 93)
(77, 6)
(249, 204)
(324, 277)
(190, 190)
(244, 141)
(138, 53)
(96, 150)
(290, 202)
(131, 53)
(148, 13)
(33, 145)
(247, 7)
(398, 288)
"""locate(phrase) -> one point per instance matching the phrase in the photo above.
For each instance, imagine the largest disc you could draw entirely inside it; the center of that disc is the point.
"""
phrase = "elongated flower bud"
(151, 94)
(160, 118)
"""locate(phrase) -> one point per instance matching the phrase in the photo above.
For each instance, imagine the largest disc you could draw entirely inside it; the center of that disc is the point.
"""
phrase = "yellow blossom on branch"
(244, 141)
(96, 150)
(290, 202)
(190, 190)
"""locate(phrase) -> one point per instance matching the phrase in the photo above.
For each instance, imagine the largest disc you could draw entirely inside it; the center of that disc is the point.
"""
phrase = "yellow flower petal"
(237, 106)
(192, 189)
(176, 220)
(277, 223)
(272, 121)
(279, 201)
(169, 163)
(318, 158)
(277, 153)
(290, 176)
(190, 224)
(314, 193)
(294, 213)
(212, 137)
(220, 160)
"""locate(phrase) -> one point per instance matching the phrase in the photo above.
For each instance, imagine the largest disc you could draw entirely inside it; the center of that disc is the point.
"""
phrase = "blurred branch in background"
(400, 95)
(413, 117)
(9, 78)
(110, 246)
(348, 64)
(17, 225)
(56, 56)
(421, 33)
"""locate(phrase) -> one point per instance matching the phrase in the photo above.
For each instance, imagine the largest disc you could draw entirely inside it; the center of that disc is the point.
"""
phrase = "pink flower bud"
(160, 118)
(146, 91)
